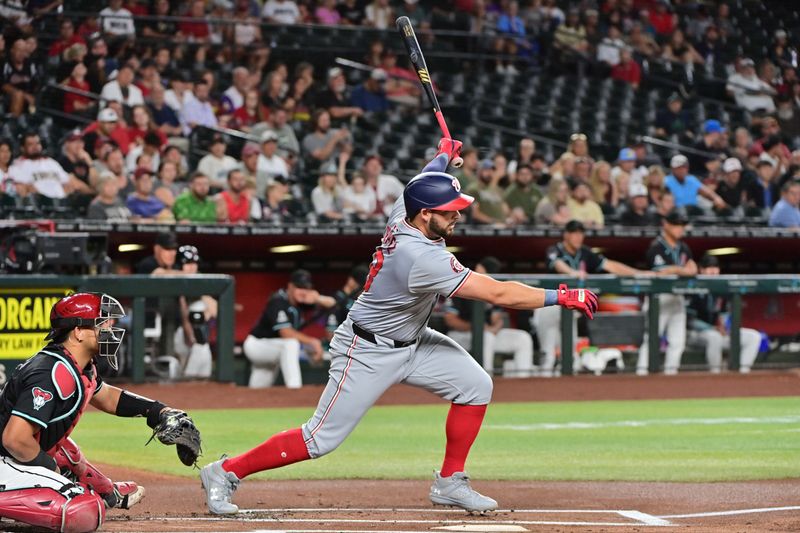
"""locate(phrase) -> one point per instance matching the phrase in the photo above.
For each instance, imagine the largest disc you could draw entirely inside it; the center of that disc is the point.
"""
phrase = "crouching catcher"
(45, 480)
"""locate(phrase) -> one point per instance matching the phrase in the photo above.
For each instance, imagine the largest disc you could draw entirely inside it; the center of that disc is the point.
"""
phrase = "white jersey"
(408, 274)
(45, 174)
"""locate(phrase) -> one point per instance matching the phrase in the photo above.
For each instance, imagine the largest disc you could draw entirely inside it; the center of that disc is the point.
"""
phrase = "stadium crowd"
(146, 83)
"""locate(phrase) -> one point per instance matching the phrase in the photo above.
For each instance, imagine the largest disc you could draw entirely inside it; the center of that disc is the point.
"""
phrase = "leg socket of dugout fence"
(567, 342)
(736, 331)
(653, 334)
(137, 340)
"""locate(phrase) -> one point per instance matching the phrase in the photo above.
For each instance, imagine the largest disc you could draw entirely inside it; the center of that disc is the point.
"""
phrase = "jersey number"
(388, 242)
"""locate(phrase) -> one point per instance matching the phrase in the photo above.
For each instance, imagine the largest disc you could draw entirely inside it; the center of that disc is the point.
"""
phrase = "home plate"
(482, 527)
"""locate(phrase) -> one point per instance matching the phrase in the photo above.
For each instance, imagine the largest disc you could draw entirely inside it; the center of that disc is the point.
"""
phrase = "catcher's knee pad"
(69, 511)
(69, 457)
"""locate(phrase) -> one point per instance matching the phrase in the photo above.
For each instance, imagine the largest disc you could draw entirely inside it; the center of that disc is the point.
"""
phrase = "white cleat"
(219, 486)
(457, 492)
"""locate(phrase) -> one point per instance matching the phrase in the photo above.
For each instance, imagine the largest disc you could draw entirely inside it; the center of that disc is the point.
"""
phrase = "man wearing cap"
(194, 204)
(523, 195)
(75, 160)
(371, 95)
(216, 164)
(674, 120)
(714, 142)
(107, 128)
(685, 187)
(570, 257)
(750, 91)
(122, 89)
(274, 342)
(35, 173)
(637, 212)
(143, 205)
(270, 164)
(334, 99)
(489, 206)
(625, 173)
(385, 340)
(707, 325)
(668, 255)
(786, 214)
(733, 186)
(162, 262)
(497, 338)
(763, 191)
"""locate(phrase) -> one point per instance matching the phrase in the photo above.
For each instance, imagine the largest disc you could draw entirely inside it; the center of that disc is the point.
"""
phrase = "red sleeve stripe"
(461, 284)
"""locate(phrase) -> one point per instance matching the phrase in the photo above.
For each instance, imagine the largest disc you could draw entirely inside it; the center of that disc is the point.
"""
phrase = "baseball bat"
(418, 61)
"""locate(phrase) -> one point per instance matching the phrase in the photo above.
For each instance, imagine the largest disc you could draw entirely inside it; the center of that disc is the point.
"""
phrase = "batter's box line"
(735, 512)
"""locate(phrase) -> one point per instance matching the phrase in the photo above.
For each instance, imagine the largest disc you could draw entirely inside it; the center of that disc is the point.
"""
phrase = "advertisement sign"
(25, 320)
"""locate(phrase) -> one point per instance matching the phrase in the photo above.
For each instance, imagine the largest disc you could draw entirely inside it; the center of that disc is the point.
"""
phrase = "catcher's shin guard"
(51, 509)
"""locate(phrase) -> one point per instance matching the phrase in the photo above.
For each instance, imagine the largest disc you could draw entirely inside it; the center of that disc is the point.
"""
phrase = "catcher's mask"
(97, 311)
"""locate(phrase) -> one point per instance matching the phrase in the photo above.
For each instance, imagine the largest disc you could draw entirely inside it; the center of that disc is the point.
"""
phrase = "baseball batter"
(385, 340)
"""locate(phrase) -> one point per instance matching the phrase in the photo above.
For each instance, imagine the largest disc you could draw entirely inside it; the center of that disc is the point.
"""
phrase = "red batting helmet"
(84, 310)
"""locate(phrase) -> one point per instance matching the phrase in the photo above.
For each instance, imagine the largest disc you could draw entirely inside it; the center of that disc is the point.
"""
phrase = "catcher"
(45, 480)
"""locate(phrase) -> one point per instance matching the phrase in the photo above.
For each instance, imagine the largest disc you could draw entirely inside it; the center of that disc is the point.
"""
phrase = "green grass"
(682, 440)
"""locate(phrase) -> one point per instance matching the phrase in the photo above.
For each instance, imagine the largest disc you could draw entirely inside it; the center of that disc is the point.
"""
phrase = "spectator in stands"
(673, 120)
(6, 157)
(416, 13)
(625, 173)
(107, 205)
(149, 77)
(233, 204)
(570, 257)
(511, 39)
(247, 30)
(578, 145)
(523, 196)
(786, 214)
(248, 115)
(352, 13)
(281, 12)
(387, 188)
(197, 111)
(686, 187)
(122, 89)
(609, 48)
(194, 205)
(276, 205)
(723, 21)
(179, 92)
(497, 336)
(714, 143)
(711, 48)
(583, 208)
(642, 42)
(378, 14)
(77, 103)
(217, 164)
(162, 262)
(359, 200)
(742, 144)
(117, 21)
(327, 195)
(275, 340)
(164, 117)
(782, 53)
(664, 205)
(147, 153)
(324, 144)
(763, 192)
(166, 188)
(250, 154)
(770, 138)
(707, 325)
(789, 118)
(468, 173)
(553, 208)
(627, 69)
(114, 162)
(733, 186)
(669, 255)
(142, 125)
(66, 38)
(327, 14)
(581, 170)
(604, 189)
(524, 156)
(35, 173)
(143, 205)
(750, 92)
(160, 26)
(105, 129)
(489, 206)
(636, 212)
(75, 160)
(278, 124)
(371, 95)
(679, 50)
(541, 177)
(270, 164)
(197, 29)
(334, 98)
(173, 153)
(570, 41)
(662, 19)
(233, 97)
(19, 79)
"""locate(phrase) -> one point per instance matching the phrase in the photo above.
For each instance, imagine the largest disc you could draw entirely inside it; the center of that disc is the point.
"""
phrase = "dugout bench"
(731, 286)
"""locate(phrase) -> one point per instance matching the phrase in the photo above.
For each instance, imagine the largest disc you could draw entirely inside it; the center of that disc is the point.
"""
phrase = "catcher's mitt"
(176, 427)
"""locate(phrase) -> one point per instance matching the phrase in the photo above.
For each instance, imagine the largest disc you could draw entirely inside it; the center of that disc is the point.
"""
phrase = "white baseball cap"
(679, 160)
(107, 115)
(731, 165)
(637, 189)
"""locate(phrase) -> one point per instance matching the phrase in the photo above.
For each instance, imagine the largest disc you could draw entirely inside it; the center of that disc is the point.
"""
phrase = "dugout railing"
(730, 286)
(137, 288)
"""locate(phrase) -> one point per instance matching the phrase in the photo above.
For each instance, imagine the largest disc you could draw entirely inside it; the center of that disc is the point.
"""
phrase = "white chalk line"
(548, 426)
(734, 512)
(422, 510)
(384, 521)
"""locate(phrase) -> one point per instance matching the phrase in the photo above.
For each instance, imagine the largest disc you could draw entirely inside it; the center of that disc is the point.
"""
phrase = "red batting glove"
(582, 300)
(452, 148)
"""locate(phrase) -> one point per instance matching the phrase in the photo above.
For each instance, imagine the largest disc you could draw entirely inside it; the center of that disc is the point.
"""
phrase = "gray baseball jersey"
(407, 275)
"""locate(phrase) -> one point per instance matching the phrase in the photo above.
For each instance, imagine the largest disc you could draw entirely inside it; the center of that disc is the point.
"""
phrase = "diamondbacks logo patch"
(40, 397)
(456, 266)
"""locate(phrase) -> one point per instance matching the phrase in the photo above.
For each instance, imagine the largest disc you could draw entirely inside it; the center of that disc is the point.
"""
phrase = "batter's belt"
(370, 337)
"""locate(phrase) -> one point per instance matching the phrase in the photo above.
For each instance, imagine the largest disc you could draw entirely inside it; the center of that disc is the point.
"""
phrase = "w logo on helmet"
(456, 185)
(40, 397)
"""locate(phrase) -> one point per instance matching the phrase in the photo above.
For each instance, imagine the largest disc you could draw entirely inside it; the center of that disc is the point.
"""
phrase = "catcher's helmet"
(434, 190)
(86, 309)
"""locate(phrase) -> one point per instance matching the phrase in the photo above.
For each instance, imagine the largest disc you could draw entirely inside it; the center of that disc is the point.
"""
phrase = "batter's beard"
(441, 231)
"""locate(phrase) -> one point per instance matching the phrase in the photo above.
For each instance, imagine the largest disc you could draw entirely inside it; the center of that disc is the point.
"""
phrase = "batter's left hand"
(582, 300)
(452, 148)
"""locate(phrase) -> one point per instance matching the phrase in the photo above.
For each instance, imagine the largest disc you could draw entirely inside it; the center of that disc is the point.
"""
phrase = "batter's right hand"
(452, 148)
(582, 300)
